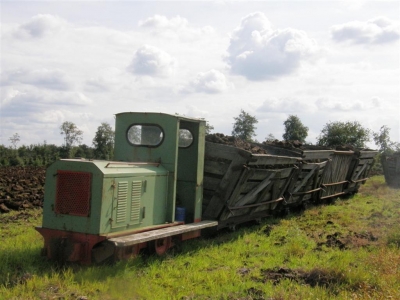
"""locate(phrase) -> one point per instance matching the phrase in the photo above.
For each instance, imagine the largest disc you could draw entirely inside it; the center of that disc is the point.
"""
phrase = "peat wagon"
(241, 186)
(347, 170)
(360, 169)
(391, 169)
(305, 184)
(334, 179)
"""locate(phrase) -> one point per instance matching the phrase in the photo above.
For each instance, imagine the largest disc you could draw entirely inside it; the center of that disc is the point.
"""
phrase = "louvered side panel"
(136, 196)
(122, 202)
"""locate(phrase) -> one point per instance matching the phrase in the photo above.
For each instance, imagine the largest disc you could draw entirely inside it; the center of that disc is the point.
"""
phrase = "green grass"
(347, 250)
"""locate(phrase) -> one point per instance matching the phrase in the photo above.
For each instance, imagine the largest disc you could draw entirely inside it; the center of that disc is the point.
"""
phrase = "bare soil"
(315, 277)
(21, 188)
(349, 241)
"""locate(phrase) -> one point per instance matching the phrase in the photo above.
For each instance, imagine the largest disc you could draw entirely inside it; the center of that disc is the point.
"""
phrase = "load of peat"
(220, 138)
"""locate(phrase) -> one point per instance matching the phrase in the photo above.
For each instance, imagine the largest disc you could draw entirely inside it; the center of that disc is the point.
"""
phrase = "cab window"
(145, 135)
(185, 138)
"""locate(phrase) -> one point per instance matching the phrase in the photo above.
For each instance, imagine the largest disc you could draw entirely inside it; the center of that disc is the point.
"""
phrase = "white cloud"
(49, 116)
(40, 26)
(29, 101)
(326, 104)
(45, 78)
(107, 80)
(379, 30)
(210, 82)
(285, 105)
(176, 27)
(343, 106)
(152, 61)
(158, 21)
(258, 52)
(8, 93)
(194, 111)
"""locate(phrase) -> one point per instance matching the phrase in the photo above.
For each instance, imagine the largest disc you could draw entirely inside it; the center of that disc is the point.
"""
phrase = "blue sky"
(85, 61)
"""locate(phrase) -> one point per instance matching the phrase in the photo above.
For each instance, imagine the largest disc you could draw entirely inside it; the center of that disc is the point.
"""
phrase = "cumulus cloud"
(40, 26)
(380, 30)
(259, 52)
(158, 21)
(176, 27)
(289, 105)
(152, 61)
(42, 78)
(107, 80)
(285, 105)
(8, 93)
(210, 82)
(195, 112)
(30, 101)
(49, 116)
(343, 106)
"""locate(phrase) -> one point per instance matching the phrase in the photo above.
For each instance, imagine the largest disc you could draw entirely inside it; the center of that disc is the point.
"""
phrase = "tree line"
(44, 154)
(333, 134)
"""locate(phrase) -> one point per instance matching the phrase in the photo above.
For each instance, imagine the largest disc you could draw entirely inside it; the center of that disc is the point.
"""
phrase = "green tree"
(15, 140)
(270, 138)
(244, 126)
(83, 151)
(382, 140)
(294, 129)
(209, 128)
(72, 134)
(344, 133)
(103, 142)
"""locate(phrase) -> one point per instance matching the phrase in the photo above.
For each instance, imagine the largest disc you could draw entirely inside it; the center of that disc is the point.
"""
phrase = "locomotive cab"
(148, 197)
(177, 144)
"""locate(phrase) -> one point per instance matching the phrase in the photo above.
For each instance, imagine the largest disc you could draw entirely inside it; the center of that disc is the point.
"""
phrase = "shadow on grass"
(19, 265)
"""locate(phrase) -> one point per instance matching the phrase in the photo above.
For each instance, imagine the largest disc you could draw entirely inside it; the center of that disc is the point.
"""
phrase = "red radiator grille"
(73, 193)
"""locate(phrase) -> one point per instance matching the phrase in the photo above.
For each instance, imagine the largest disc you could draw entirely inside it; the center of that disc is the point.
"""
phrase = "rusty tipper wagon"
(240, 186)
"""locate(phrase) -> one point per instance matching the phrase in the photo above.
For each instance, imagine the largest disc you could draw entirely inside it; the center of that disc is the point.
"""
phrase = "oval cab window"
(145, 135)
(185, 138)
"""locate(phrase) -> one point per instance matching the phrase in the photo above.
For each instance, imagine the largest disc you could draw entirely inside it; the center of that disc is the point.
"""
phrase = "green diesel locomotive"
(149, 196)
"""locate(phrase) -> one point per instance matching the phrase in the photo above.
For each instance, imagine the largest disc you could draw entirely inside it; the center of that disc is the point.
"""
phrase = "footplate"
(147, 236)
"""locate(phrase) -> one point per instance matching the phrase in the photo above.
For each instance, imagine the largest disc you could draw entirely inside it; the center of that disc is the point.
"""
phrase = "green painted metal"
(123, 197)
(185, 164)
(191, 172)
(141, 188)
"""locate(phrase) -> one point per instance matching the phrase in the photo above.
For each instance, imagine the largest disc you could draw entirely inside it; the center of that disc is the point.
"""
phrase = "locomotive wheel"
(161, 246)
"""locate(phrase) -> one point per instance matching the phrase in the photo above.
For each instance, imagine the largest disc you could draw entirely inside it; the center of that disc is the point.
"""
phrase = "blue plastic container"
(180, 213)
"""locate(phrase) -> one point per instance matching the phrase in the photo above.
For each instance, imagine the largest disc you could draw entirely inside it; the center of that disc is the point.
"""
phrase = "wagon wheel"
(161, 246)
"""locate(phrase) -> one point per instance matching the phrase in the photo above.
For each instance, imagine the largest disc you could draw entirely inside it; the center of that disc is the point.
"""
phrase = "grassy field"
(346, 250)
